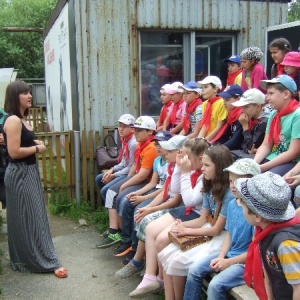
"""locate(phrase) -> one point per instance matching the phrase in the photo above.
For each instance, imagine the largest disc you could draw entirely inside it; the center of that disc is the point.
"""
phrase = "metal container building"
(126, 49)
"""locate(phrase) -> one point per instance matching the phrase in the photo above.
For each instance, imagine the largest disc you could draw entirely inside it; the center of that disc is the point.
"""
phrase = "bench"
(242, 292)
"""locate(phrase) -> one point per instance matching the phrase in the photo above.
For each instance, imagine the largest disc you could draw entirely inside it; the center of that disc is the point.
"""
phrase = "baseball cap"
(144, 122)
(291, 59)
(284, 79)
(127, 119)
(211, 79)
(162, 136)
(165, 87)
(233, 58)
(174, 143)
(233, 90)
(192, 86)
(252, 96)
(268, 195)
(244, 166)
(175, 87)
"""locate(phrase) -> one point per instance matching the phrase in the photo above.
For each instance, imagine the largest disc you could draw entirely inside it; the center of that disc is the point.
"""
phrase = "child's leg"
(224, 281)
(178, 286)
(169, 290)
(140, 252)
(197, 272)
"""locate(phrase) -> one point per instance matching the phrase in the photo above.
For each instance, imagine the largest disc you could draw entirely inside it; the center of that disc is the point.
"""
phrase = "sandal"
(61, 272)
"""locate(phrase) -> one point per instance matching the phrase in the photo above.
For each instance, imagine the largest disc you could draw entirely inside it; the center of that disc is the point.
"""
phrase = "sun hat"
(175, 87)
(162, 136)
(174, 143)
(252, 96)
(244, 166)
(233, 58)
(252, 53)
(144, 122)
(292, 59)
(127, 119)
(284, 79)
(233, 90)
(268, 195)
(211, 79)
(192, 87)
(165, 87)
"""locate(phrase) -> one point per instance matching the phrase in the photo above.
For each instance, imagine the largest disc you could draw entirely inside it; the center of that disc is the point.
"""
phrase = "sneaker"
(110, 240)
(105, 233)
(129, 270)
(129, 256)
(123, 249)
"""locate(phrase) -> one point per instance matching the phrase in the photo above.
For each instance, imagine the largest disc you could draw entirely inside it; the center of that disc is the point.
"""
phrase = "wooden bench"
(242, 292)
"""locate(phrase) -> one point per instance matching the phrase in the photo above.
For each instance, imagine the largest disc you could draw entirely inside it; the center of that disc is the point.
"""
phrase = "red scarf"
(280, 69)
(194, 177)
(172, 119)
(253, 272)
(125, 148)
(207, 114)
(168, 181)
(164, 111)
(232, 76)
(252, 123)
(293, 75)
(232, 117)
(274, 133)
(140, 147)
(190, 108)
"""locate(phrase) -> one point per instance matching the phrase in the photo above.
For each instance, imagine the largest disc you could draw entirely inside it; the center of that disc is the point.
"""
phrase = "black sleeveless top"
(27, 140)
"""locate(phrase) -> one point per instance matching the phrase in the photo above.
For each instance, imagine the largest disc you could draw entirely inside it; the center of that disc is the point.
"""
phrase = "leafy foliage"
(24, 50)
(294, 11)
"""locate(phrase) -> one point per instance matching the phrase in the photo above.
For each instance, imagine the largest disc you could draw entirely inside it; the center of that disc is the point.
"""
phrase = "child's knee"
(162, 241)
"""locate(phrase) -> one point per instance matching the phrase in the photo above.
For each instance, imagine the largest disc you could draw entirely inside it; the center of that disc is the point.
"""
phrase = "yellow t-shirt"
(218, 113)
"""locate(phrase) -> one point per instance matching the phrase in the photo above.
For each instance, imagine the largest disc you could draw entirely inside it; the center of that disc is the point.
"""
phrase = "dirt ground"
(91, 270)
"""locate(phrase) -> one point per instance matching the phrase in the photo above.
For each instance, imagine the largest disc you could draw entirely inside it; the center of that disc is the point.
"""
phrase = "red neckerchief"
(232, 117)
(293, 75)
(168, 181)
(190, 108)
(194, 177)
(125, 148)
(172, 119)
(207, 114)
(232, 76)
(275, 123)
(280, 69)
(252, 123)
(253, 273)
(140, 147)
(164, 111)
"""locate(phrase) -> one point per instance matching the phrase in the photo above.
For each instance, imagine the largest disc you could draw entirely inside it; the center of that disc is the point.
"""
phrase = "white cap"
(127, 119)
(252, 96)
(211, 79)
(244, 166)
(165, 87)
(175, 87)
(174, 143)
(144, 122)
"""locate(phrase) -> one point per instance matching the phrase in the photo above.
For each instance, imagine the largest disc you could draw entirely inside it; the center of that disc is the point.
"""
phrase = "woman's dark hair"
(12, 101)
(282, 44)
(221, 158)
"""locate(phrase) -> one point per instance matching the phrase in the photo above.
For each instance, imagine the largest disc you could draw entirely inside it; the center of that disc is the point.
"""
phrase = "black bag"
(107, 156)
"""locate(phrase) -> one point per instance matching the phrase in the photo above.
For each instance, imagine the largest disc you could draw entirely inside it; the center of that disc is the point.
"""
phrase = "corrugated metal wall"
(108, 43)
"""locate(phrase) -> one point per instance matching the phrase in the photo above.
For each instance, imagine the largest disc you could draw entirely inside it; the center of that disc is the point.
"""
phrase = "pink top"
(253, 77)
(180, 112)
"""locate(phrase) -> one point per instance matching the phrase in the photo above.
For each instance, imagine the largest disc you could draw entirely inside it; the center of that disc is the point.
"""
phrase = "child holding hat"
(273, 258)
(291, 63)
(229, 262)
(280, 150)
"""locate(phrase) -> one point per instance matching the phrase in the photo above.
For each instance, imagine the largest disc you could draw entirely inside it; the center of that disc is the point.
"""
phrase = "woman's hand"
(42, 148)
(39, 142)
(178, 228)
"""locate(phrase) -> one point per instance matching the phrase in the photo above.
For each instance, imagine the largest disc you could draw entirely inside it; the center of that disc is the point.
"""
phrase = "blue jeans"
(219, 285)
(104, 187)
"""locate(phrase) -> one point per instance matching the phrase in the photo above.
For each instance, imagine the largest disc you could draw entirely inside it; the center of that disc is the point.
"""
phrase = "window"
(179, 56)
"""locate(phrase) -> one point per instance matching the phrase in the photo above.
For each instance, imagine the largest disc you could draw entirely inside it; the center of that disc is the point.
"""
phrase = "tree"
(294, 11)
(24, 50)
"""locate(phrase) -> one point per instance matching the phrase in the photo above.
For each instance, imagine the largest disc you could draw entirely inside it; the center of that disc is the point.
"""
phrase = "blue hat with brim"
(233, 58)
(232, 91)
(284, 79)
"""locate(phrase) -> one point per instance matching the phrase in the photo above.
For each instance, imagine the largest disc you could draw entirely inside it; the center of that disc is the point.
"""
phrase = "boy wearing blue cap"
(235, 74)
(280, 150)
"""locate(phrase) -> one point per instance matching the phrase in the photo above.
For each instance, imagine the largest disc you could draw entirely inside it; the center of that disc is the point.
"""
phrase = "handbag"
(190, 241)
(107, 156)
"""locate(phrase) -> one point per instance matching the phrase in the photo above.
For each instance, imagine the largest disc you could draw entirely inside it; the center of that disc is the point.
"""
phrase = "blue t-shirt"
(210, 204)
(240, 230)
(160, 167)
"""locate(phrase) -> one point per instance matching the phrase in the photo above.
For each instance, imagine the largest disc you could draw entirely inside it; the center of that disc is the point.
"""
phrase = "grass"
(60, 205)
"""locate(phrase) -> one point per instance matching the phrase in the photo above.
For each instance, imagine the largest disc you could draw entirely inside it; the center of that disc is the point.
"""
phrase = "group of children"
(172, 175)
